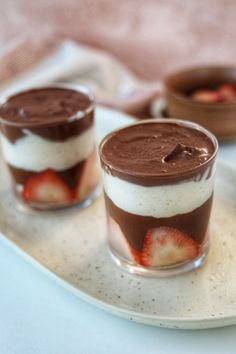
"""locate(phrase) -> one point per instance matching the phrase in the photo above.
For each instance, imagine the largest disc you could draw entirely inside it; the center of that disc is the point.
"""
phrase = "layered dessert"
(158, 181)
(48, 143)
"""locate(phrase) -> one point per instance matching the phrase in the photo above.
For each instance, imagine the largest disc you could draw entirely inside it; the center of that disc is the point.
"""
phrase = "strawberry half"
(89, 178)
(165, 246)
(46, 187)
(120, 244)
(227, 92)
(206, 96)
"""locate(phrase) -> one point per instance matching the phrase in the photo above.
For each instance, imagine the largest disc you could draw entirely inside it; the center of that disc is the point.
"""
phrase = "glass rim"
(169, 176)
(78, 115)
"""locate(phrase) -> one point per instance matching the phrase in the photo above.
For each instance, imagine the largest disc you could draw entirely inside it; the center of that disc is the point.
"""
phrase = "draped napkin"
(68, 62)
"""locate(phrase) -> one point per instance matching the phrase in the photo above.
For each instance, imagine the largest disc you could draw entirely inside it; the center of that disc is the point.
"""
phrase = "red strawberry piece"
(165, 246)
(120, 244)
(227, 92)
(89, 178)
(46, 187)
(206, 96)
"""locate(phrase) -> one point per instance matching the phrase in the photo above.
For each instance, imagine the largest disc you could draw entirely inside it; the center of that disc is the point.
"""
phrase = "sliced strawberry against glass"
(206, 96)
(120, 244)
(46, 187)
(89, 178)
(165, 246)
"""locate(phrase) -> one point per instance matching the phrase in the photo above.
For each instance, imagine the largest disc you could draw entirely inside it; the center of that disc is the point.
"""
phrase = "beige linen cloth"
(112, 83)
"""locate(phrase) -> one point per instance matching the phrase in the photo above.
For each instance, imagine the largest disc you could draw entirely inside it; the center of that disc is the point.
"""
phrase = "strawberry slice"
(227, 92)
(89, 178)
(206, 96)
(165, 246)
(120, 244)
(46, 187)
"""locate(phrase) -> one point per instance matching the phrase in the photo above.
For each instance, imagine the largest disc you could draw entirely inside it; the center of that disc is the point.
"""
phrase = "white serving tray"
(70, 247)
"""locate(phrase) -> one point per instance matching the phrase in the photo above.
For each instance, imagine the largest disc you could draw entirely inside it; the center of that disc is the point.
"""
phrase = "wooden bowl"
(220, 117)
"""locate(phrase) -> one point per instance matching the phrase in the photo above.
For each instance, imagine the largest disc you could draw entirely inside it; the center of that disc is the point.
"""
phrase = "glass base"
(161, 272)
(80, 204)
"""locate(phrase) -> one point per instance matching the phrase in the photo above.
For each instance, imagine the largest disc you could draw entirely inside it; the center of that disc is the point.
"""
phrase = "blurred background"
(151, 37)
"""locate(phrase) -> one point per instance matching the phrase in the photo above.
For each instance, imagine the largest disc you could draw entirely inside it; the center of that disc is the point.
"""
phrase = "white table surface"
(38, 316)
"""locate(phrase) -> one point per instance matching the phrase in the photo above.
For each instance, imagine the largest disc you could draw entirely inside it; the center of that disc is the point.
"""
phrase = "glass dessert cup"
(48, 144)
(158, 222)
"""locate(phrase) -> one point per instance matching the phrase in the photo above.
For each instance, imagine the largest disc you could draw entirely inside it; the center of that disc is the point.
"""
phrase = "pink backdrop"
(151, 36)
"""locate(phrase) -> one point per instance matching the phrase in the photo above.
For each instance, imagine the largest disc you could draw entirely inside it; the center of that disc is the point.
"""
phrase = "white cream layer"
(158, 201)
(34, 153)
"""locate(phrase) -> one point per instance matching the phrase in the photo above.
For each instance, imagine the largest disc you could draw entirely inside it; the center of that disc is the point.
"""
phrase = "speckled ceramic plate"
(70, 247)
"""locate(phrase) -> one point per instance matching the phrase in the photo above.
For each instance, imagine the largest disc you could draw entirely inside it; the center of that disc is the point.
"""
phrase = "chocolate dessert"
(158, 181)
(47, 137)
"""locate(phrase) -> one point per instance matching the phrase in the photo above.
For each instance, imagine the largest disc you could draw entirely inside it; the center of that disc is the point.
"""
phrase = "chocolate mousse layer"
(154, 153)
(53, 113)
(70, 176)
(135, 227)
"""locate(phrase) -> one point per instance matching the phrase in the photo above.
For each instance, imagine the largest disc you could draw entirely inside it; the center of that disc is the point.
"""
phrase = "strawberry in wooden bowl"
(205, 95)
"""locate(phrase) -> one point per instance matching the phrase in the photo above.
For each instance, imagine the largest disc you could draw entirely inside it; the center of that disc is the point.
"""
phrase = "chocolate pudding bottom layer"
(137, 239)
(75, 184)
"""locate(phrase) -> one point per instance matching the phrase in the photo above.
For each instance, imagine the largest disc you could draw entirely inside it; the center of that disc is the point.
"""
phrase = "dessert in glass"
(48, 144)
(158, 181)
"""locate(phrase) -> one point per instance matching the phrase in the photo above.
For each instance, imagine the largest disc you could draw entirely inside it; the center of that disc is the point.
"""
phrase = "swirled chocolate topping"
(47, 112)
(43, 106)
(156, 152)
